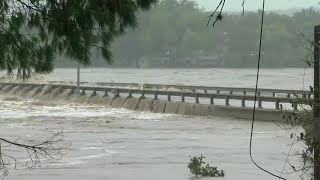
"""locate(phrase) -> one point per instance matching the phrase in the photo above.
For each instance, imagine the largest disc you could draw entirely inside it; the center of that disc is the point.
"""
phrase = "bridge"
(174, 99)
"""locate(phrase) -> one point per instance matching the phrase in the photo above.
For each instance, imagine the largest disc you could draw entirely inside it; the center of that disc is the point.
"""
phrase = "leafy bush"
(197, 167)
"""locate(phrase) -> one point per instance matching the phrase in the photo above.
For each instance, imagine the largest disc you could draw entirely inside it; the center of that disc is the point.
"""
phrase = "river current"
(118, 144)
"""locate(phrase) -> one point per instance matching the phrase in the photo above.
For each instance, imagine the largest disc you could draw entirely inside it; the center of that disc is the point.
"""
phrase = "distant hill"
(288, 12)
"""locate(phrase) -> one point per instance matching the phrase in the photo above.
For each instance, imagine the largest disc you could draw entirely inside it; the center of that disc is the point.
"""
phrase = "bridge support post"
(83, 92)
(142, 94)
(130, 94)
(211, 99)
(78, 80)
(227, 101)
(277, 104)
(197, 98)
(182, 97)
(243, 102)
(169, 96)
(94, 93)
(259, 103)
(295, 106)
(117, 93)
(105, 93)
(155, 95)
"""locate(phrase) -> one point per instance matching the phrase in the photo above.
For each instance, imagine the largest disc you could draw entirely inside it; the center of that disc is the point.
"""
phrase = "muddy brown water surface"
(118, 144)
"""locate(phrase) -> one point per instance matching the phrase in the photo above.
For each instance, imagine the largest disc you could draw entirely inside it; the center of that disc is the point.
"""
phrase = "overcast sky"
(253, 5)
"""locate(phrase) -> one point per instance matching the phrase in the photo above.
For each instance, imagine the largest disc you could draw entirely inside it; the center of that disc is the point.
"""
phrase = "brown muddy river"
(117, 144)
(120, 144)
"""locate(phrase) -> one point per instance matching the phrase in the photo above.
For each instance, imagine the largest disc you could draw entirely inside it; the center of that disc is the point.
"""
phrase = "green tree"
(33, 31)
(176, 31)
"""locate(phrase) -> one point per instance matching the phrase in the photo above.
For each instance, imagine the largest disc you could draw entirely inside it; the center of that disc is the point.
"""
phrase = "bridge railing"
(182, 95)
(206, 89)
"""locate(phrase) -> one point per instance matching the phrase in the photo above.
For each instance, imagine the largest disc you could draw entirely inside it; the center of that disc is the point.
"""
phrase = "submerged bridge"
(175, 99)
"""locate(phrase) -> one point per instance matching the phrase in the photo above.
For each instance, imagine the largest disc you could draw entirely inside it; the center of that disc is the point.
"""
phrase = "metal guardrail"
(183, 94)
(205, 89)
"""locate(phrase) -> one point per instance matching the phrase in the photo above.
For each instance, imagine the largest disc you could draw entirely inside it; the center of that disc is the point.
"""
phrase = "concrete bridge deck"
(176, 99)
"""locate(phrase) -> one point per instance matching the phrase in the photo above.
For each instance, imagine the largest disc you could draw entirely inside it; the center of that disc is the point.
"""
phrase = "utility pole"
(78, 80)
(316, 103)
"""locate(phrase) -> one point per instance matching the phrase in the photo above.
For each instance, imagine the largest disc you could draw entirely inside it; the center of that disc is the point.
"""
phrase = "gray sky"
(253, 5)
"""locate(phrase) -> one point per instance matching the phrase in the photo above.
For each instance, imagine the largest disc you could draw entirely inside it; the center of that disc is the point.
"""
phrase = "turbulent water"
(119, 144)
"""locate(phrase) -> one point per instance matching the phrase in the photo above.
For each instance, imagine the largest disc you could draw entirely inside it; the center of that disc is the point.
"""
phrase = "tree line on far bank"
(175, 34)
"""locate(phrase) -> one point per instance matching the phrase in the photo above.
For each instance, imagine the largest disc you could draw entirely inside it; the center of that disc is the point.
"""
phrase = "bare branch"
(51, 149)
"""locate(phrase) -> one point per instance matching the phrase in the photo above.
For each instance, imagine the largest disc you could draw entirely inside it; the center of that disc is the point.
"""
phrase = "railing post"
(227, 101)
(231, 92)
(295, 105)
(155, 95)
(243, 102)
(193, 90)
(259, 103)
(211, 99)
(197, 98)
(182, 97)
(259, 93)
(273, 94)
(94, 93)
(245, 93)
(277, 104)
(205, 91)
(288, 95)
(130, 93)
(105, 93)
(117, 93)
(218, 91)
(142, 94)
(83, 92)
(169, 96)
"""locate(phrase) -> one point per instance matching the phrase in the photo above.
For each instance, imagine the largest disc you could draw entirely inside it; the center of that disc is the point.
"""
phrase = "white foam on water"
(37, 109)
(96, 156)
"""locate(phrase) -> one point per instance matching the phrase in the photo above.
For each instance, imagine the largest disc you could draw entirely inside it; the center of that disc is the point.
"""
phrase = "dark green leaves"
(145, 4)
(33, 31)
(198, 167)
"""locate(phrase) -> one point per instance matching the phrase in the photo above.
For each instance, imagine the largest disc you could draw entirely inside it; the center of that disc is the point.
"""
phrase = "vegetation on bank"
(198, 167)
(175, 34)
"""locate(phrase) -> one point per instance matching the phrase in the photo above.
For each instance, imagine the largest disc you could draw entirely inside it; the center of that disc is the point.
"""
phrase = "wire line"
(255, 95)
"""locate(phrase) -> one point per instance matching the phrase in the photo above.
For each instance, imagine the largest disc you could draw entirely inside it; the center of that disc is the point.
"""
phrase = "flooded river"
(117, 144)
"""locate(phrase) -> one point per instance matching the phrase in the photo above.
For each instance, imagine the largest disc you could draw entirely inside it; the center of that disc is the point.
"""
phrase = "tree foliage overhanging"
(33, 31)
(175, 34)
